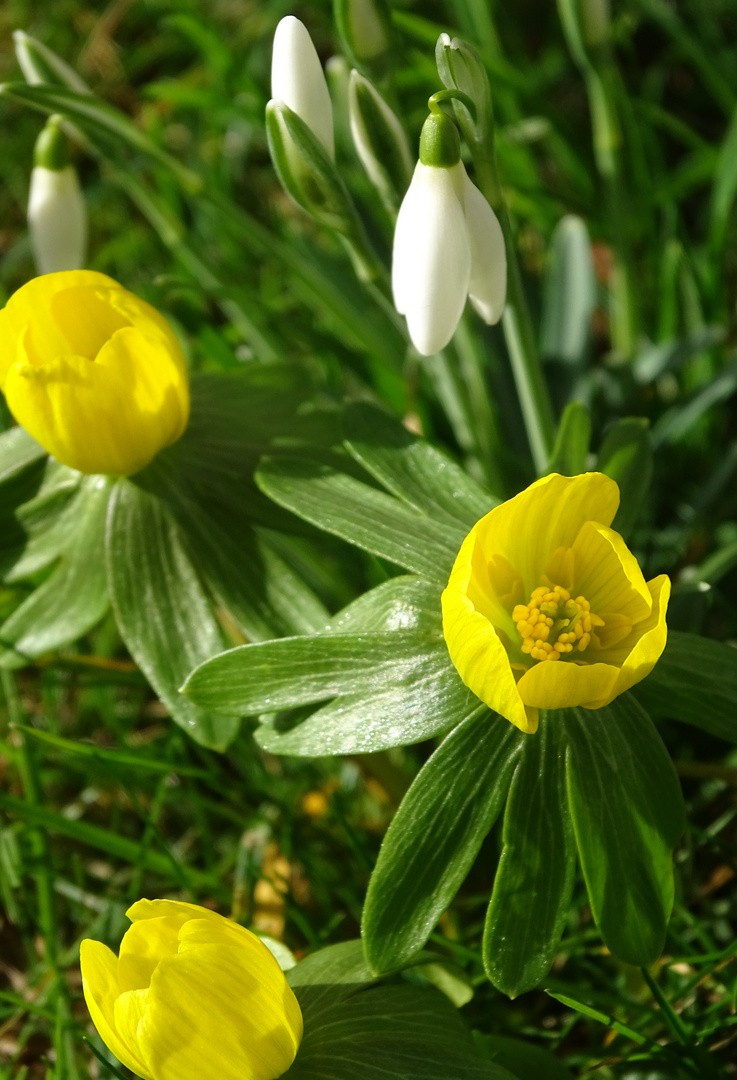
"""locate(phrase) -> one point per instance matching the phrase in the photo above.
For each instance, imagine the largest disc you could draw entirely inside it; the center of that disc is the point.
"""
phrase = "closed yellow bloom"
(94, 374)
(192, 996)
(546, 608)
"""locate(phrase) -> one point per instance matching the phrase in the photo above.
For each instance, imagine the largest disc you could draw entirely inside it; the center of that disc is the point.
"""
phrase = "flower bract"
(192, 996)
(448, 245)
(546, 608)
(92, 372)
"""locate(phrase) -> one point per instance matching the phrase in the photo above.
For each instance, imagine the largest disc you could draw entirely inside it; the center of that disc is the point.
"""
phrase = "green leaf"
(525, 1060)
(390, 1033)
(329, 975)
(628, 813)
(164, 615)
(39, 518)
(436, 834)
(273, 675)
(262, 593)
(413, 470)
(362, 515)
(626, 456)
(569, 293)
(17, 451)
(571, 441)
(534, 879)
(425, 699)
(695, 681)
(75, 596)
(236, 417)
(402, 603)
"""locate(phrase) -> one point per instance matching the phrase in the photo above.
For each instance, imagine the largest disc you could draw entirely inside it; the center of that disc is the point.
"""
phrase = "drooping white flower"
(57, 214)
(297, 79)
(448, 245)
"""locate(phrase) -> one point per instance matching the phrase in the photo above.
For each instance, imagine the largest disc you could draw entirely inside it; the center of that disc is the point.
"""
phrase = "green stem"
(527, 370)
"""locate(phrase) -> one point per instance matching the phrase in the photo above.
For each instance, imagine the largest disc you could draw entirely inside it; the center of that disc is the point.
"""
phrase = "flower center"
(552, 624)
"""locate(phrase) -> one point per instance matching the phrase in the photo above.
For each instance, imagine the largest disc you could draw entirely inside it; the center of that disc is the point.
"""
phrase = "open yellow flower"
(94, 374)
(192, 996)
(546, 608)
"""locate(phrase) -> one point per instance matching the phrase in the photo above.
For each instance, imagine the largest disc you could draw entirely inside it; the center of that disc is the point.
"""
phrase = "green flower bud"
(305, 170)
(461, 68)
(366, 31)
(380, 142)
(440, 143)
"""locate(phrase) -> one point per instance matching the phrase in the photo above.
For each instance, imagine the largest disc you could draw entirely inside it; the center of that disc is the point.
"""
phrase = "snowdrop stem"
(517, 324)
(434, 103)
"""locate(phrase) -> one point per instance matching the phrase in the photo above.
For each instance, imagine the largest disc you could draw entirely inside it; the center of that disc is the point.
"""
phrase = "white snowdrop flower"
(297, 79)
(57, 214)
(448, 244)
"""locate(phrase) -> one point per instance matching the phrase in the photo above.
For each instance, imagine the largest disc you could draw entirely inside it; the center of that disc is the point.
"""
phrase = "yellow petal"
(475, 647)
(143, 945)
(215, 1011)
(100, 985)
(32, 304)
(646, 643)
(607, 573)
(110, 416)
(562, 684)
(158, 909)
(548, 515)
(129, 1010)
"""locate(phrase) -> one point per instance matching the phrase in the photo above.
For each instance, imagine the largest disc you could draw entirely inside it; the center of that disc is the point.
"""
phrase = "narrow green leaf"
(534, 879)
(436, 834)
(695, 681)
(110, 843)
(75, 596)
(163, 612)
(282, 674)
(571, 441)
(413, 470)
(101, 119)
(117, 758)
(362, 515)
(425, 698)
(626, 456)
(391, 1033)
(628, 813)
(594, 1014)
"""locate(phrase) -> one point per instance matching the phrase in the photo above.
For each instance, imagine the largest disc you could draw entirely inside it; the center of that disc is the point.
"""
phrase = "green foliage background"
(104, 798)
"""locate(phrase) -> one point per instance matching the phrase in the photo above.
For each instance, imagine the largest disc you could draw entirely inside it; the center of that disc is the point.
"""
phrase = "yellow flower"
(94, 374)
(192, 996)
(546, 608)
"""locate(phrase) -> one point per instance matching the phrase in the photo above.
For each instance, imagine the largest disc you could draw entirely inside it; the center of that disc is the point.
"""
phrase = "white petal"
(297, 79)
(57, 220)
(431, 264)
(488, 286)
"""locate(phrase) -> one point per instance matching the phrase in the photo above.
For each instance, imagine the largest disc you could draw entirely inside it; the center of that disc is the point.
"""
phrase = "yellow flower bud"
(546, 608)
(94, 374)
(192, 996)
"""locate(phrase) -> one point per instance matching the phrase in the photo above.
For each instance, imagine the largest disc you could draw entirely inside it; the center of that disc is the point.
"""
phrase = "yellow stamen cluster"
(552, 624)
